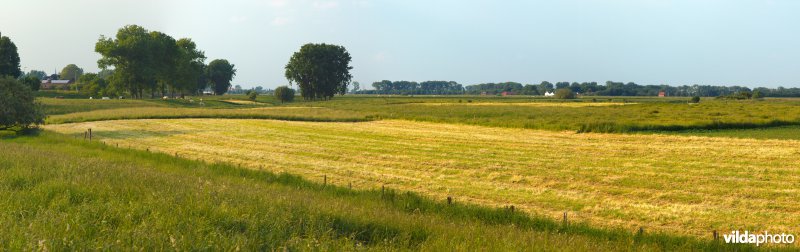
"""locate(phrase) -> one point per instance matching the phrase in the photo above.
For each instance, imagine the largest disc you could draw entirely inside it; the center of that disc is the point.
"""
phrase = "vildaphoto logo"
(758, 238)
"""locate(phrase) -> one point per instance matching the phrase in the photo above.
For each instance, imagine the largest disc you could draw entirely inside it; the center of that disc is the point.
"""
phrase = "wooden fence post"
(565, 221)
(324, 180)
(716, 235)
(90, 134)
(641, 231)
(449, 200)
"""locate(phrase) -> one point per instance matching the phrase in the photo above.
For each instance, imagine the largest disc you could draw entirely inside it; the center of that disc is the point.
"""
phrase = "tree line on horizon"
(610, 88)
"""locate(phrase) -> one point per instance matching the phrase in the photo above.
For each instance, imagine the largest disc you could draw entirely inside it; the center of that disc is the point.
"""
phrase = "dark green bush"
(252, 95)
(694, 99)
(284, 94)
(17, 106)
(564, 93)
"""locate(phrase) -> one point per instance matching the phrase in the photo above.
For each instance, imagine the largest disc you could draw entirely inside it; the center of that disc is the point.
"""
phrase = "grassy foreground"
(674, 184)
(66, 194)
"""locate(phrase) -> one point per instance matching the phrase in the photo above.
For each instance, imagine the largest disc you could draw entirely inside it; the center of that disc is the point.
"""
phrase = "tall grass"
(65, 194)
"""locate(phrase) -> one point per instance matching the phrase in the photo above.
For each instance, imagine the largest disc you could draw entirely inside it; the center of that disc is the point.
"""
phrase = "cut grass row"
(678, 185)
(783, 132)
(66, 194)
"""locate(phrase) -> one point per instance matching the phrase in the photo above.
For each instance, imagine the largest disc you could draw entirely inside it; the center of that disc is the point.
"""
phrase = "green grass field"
(611, 115)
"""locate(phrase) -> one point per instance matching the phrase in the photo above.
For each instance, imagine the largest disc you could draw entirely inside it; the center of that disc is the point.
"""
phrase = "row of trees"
(612, 88)
(414, 88)
(151, 62)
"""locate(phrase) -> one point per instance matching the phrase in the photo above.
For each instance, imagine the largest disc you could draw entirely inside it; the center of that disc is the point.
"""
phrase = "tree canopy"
(32, 82)
(151, 61)
(17, 105)
(35, 74)
(220, 73)
(71, 72)
(9, 58)
(320, 70)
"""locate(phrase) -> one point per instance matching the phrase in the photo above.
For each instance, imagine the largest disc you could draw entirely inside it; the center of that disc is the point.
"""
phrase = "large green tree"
(143, 61)
(71, 72)
(164, 51)
(320, 70)
(189, 67)
(220, 73)
(129, 53)
(17, 105)
(9, 58)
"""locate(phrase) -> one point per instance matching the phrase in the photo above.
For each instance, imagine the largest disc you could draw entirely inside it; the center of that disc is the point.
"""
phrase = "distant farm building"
(506, 93)
(55, 84)
(662, 93)
(549, 94)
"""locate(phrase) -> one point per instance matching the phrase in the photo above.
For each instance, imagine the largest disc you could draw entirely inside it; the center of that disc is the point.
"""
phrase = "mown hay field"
(533, 104)
(673, 184)
(63, 194)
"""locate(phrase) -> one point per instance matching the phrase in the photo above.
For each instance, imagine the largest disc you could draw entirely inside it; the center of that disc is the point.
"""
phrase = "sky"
(681, 42)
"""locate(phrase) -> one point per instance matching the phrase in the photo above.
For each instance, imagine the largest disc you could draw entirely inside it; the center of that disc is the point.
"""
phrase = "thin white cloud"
(361, 3)
(379, 57)
(237, 19)
(278, 3)
(325, 5)
(279, 21)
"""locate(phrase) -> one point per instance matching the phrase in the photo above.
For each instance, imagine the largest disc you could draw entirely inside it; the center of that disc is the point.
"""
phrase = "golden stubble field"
(674, 184)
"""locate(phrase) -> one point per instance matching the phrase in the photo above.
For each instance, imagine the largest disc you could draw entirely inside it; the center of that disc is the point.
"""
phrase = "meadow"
(671, 184)
(66, 194)
(374, 173)
(599, 114)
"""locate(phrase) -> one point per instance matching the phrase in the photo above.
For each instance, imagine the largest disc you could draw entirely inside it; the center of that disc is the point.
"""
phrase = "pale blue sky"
(730, 42)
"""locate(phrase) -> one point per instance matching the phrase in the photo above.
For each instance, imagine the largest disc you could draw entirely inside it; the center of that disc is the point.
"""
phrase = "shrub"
(252, 95)
(17, 106)
(694, 99)
(757, 94)
(743, 95)
(564, 93)
(284, 94)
